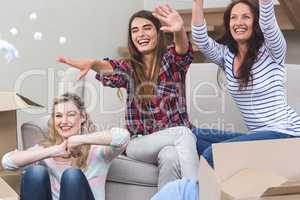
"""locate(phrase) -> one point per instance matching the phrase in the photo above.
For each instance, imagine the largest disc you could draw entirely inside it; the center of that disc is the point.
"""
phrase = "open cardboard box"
(256, 170)
(10, 102)
(6, 192)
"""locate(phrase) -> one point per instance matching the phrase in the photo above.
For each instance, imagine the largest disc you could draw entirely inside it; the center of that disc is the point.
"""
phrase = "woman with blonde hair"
(72, 163)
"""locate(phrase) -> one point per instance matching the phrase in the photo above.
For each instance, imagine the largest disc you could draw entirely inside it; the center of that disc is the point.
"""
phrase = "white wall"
(92, 28)
(293, 42)
(187, 4)
(184, 4)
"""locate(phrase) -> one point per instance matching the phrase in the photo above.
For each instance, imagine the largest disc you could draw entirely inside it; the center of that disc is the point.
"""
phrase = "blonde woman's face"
(67, 119)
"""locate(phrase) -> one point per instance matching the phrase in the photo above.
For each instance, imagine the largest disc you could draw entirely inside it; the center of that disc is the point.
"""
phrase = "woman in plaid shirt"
(154, 78)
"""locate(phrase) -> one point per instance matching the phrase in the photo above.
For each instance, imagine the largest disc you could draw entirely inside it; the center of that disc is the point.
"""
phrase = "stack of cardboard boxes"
(10, 102)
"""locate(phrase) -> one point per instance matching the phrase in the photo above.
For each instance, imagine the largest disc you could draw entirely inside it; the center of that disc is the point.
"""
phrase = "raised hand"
(84, 65)
(197, 13)
(170, 19)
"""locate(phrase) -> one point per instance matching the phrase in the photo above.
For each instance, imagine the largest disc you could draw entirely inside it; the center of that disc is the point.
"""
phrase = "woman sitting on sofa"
(154, 78)
(72, 163)
(251, 54)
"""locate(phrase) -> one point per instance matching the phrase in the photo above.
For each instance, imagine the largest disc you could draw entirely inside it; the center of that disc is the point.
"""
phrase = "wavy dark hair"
(145, 84)
(254, 43)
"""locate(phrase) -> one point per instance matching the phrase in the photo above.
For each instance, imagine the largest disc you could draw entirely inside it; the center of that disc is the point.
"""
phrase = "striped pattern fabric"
(262, 103)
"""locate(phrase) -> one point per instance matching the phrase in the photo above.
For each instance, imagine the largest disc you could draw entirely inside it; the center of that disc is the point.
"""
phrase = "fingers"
(169, 8)
(61, 59)
(74, 152)
(162, 12)
(161, 18)
(65, 60)
(81, 75)
(165, 29)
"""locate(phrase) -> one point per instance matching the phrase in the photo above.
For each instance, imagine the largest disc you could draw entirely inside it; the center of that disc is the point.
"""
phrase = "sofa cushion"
(129, 171)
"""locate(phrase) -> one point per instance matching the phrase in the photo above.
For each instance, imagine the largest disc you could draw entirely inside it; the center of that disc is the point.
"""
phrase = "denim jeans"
(184, 189)
(35, 185)
(206, 137)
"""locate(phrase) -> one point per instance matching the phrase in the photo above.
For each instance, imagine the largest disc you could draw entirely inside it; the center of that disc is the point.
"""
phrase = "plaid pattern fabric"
(167, 107)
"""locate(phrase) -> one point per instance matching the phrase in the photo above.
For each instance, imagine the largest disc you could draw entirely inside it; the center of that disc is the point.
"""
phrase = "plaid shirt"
(167, 107)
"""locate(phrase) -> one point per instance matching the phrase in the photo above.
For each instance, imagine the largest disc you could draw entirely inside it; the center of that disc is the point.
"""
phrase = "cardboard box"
(257, 170)
(10, 102)
(12, 178)
(6, 192)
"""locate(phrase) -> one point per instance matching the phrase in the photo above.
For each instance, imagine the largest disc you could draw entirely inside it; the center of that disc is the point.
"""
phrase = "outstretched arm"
(274, 39)
(208, 46)
(172, 22)
(98, 138)
(17, 159)
(113, 141)
(84, 65)
(197, 13)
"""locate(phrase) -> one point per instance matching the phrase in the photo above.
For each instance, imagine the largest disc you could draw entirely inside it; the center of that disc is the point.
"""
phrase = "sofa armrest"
(34, 131)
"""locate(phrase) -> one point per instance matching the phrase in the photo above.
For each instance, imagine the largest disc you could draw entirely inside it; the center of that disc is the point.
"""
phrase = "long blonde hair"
(87, 127)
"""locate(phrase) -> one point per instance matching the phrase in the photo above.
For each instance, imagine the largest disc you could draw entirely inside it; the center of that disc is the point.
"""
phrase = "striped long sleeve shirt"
(262, 103)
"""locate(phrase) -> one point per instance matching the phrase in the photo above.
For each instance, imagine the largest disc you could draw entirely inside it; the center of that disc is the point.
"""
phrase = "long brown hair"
(254, 43)
(145, 84)
(87, 127)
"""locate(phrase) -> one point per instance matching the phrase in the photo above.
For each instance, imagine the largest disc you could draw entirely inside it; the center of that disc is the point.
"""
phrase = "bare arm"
(27, 157)
(173, 22)
(181, 41)
(99, 138)
(84, 65)
(197, 13)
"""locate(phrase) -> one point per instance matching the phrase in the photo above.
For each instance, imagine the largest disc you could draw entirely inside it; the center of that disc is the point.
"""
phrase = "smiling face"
(67, 119)
(144, 35)
(241, 23)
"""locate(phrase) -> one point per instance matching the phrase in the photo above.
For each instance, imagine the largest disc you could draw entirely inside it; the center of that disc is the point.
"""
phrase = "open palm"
(84, 65)
(170, 19)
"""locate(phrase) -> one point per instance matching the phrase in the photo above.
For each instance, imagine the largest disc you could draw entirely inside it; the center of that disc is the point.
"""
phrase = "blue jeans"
(206, 137)
(183, 189)
(35, 185)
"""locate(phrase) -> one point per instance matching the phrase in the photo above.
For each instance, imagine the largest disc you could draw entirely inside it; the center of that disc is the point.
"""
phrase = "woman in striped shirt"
(251, 54)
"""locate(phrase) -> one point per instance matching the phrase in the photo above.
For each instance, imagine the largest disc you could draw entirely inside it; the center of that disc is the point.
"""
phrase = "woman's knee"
(186, 134)
(38, 174)
(168, 154)
(208, 155)
(72, 175)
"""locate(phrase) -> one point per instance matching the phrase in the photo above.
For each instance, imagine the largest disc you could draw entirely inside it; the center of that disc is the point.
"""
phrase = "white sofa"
(209, 107)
